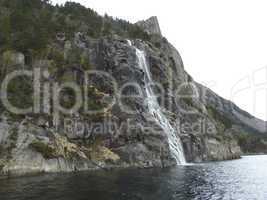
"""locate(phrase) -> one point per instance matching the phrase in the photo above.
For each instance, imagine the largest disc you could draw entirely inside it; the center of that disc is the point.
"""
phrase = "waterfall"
(174, 141)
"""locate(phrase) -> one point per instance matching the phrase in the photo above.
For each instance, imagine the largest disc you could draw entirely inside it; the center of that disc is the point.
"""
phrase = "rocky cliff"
(151, 25)
(111, 126)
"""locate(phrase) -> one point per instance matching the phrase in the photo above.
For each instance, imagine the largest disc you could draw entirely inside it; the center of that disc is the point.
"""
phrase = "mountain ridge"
(114, 127)
(154, 25)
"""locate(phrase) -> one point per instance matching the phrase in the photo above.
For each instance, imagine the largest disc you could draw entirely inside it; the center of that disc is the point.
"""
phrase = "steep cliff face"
(151, 25)
(210, 111)
(115, 125)
(233, 112)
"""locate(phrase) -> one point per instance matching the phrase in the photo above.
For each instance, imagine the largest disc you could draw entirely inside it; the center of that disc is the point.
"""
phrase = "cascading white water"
(175, 144)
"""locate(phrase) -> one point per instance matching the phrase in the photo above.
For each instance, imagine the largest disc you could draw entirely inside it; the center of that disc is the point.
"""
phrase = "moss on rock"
(47, 151)
(217, 116)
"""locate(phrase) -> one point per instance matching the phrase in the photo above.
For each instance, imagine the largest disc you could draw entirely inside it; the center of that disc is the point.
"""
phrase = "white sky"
(223, 43)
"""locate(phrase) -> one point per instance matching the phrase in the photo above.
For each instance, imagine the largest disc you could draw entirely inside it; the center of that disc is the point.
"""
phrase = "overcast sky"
(223, 43)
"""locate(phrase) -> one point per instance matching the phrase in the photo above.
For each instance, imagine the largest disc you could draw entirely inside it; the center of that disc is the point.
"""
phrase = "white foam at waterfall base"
(129, 42)
(174, 141)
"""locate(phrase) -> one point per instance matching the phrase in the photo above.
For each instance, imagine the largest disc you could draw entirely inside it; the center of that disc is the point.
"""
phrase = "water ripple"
(244, 179)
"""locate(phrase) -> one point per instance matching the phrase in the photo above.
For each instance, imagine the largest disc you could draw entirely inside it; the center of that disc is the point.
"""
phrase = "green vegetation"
(57, 57)
(13, 141)
(29, 25)
(85, 62)
(7, 58)
(20, 92)
(47, 151)
(1, 165)
(67, 99)
(14, 134)
(219, 117)
(252, 143)
(189, 101)
(32, 28)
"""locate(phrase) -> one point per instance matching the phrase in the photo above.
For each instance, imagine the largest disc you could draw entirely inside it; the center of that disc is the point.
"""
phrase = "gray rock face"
(199, 149)
(29, 149)
(233, 112)
(151, 25)
(205, 122)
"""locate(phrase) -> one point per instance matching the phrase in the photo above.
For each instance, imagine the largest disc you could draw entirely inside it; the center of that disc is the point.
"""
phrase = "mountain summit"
(151, 25)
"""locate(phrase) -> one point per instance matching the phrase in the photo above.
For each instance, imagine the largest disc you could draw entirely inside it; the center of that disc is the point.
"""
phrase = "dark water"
(244, 179)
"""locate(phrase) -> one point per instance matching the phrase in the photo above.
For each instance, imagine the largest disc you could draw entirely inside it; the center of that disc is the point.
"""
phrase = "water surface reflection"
(238, 179)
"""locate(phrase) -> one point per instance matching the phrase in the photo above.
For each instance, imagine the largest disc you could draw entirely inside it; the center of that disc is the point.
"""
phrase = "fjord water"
(244, 179)
(175, 144)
